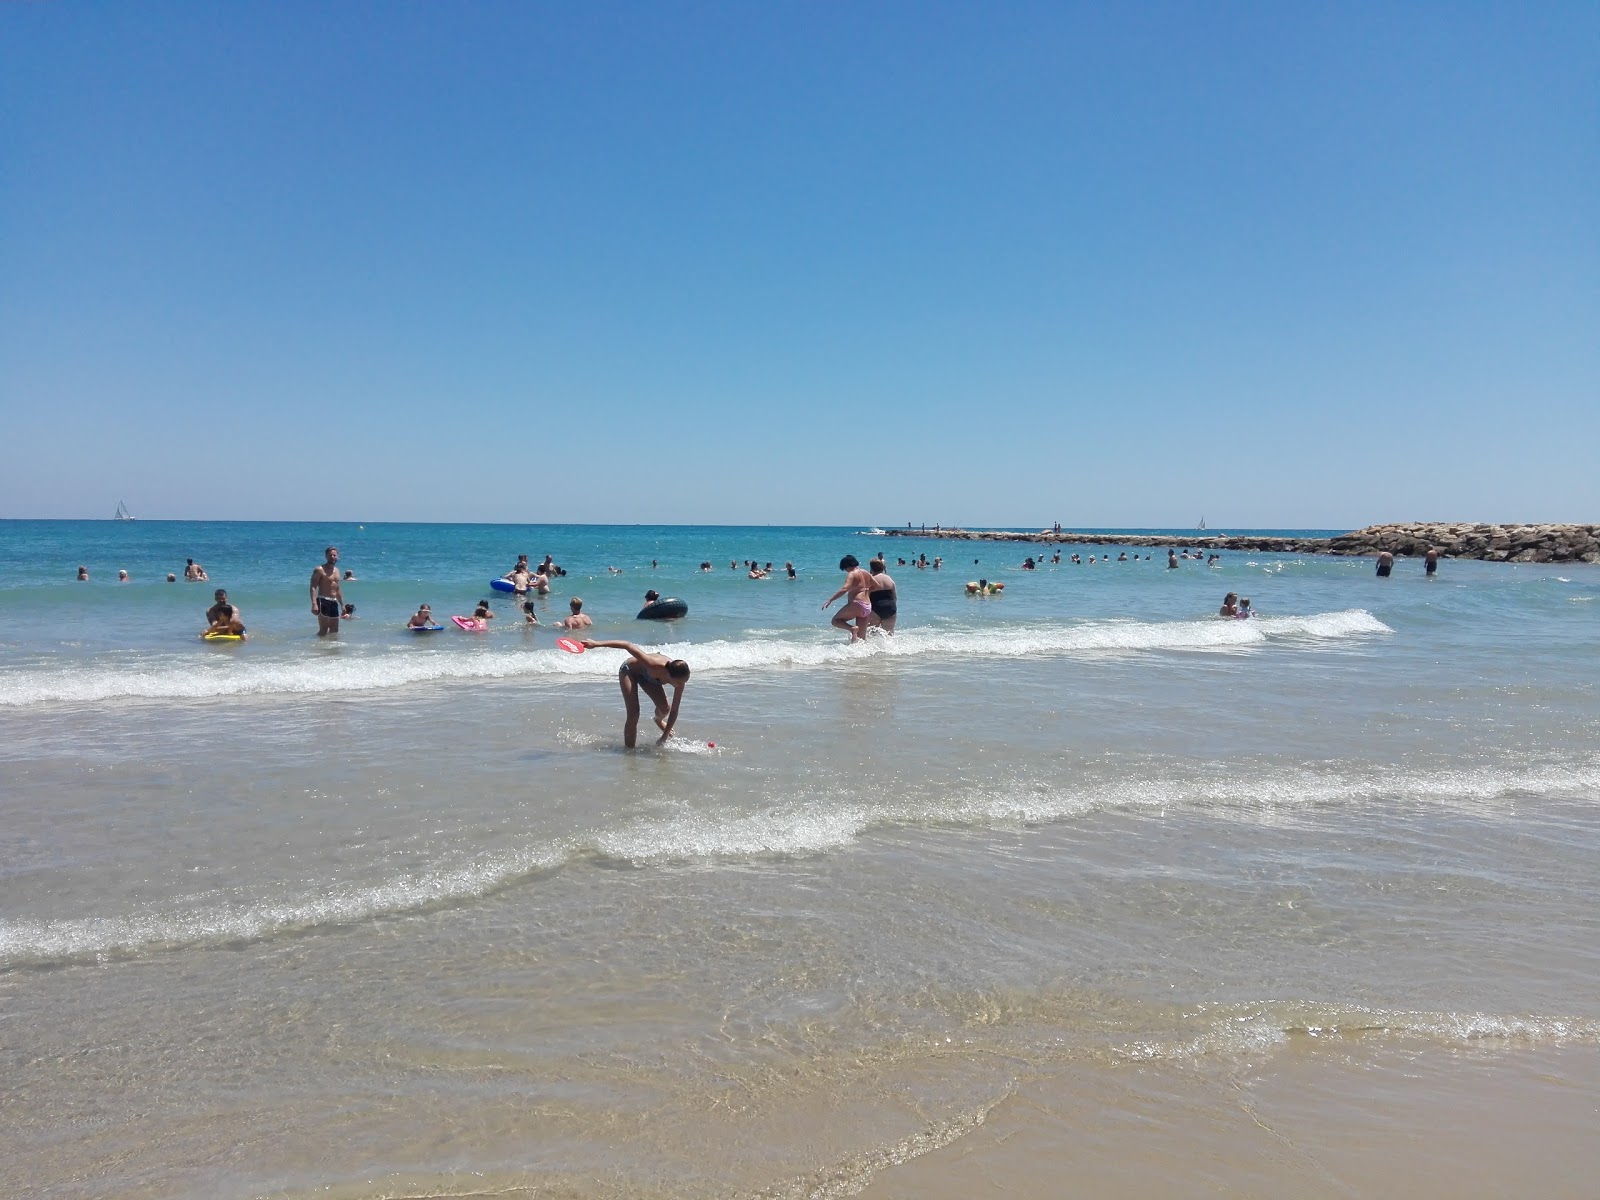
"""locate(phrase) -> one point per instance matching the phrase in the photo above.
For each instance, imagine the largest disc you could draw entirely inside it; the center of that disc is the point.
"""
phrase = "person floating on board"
(651, 674)
(224, 622)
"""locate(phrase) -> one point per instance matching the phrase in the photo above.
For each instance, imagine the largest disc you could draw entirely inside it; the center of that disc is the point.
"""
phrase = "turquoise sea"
(388, 915)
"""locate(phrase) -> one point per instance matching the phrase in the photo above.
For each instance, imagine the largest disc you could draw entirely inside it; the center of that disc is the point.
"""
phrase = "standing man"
(1430, 562)
(326, 598)
(648, 673)
(1385, 564)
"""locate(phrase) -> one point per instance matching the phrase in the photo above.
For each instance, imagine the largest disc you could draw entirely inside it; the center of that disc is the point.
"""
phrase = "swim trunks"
(1384, 569)
(639, 675)
(328, 607)
(1430, 568)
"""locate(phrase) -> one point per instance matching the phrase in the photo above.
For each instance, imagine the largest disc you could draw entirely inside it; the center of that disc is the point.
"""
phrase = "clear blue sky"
(1120, 264)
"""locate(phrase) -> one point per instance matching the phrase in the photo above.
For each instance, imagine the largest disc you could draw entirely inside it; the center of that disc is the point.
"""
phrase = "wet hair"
(575, 603)
(652, 596)
(1230, 596)
(527, 606)
(678, 669)
(225, 611)
(849, 562)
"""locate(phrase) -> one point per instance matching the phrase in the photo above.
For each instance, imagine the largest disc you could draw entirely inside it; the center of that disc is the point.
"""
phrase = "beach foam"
(172, 677)
(790, 829)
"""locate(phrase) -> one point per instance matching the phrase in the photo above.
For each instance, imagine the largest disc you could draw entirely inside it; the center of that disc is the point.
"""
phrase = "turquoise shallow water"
(390, 913)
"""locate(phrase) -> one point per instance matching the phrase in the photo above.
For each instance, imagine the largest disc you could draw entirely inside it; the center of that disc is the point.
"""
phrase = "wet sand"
(1385, 1121)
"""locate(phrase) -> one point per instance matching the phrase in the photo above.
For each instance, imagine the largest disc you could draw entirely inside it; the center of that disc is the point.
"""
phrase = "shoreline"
(1488, 543)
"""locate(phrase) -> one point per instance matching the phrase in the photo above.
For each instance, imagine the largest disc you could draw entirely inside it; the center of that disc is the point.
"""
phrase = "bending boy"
(651, 674)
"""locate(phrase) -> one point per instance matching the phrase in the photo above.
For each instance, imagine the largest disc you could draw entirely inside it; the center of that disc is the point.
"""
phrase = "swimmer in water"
(422, 618)
(578, 618)
(858, 606)
(1230, 605)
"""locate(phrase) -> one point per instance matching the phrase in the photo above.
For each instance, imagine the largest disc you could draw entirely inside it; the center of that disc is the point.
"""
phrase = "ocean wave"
(187, 678)
(798, 829)
(1254, 1028)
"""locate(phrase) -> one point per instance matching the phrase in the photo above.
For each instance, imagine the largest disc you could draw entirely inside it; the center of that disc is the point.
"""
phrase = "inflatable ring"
(663, 610)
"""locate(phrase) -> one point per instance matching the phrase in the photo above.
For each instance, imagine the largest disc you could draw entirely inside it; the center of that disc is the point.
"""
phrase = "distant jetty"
(1492, 543)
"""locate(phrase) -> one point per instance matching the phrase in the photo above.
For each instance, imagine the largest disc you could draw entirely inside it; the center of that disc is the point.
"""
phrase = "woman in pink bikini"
(858, 607)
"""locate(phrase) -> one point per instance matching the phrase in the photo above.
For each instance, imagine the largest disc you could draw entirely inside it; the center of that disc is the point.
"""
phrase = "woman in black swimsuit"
(883, 596)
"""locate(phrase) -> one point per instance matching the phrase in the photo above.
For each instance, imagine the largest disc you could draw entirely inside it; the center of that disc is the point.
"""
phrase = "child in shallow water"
(482, 612)
(1244, 608)
(422, 618)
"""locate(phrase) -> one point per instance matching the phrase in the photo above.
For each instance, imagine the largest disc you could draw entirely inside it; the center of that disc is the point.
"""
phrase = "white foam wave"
(801, 828)
(1250, 1029)
(186, 678)
(35, 942)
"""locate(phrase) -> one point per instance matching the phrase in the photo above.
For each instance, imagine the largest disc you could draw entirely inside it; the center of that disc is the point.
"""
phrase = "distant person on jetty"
(326, 596)
(1385, 564)
(578, 618)
(858, 605)
(1430, 562)
(422, 618)
(884, 596)
(651, 674)
(1230, 605)
(194, 572)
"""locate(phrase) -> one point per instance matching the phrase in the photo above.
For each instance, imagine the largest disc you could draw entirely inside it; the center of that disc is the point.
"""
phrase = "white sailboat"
(122, 513)
(1202, 524)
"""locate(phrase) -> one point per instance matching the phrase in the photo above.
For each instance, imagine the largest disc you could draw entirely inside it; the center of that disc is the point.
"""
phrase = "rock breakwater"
(1492, 543)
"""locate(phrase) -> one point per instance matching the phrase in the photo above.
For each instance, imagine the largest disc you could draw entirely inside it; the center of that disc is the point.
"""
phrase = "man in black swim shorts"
(326, 596)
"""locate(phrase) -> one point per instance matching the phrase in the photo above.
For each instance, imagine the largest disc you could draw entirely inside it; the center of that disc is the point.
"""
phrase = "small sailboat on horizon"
(123, 514)
(1202, 524)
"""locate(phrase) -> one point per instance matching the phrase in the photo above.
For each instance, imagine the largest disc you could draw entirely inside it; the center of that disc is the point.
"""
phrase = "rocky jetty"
(1492, 543)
